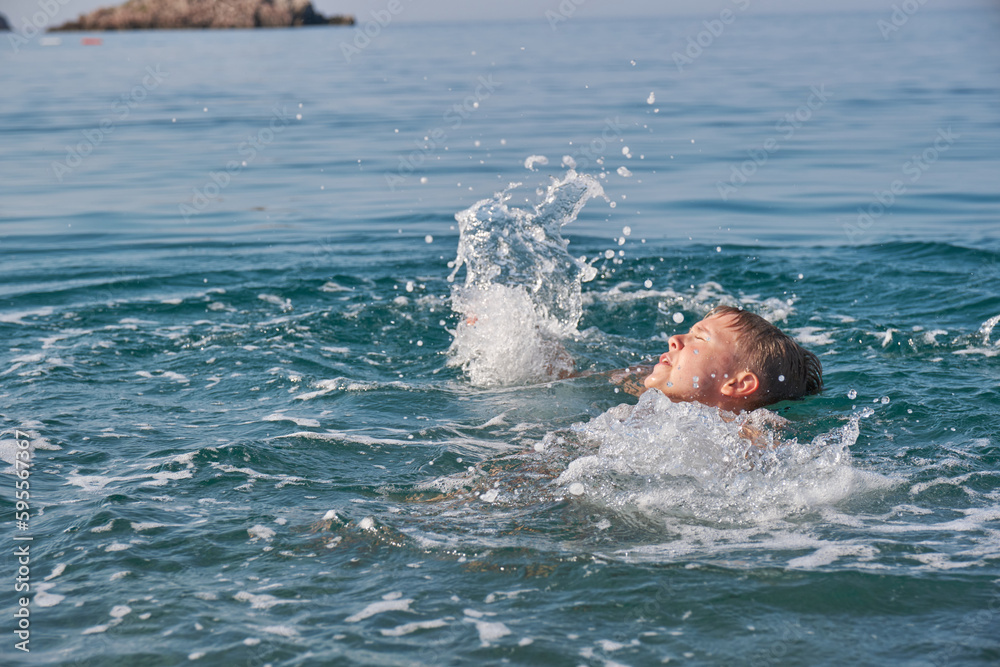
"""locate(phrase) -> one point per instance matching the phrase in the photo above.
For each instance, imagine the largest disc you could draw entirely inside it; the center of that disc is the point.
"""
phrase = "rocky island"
(197, 14)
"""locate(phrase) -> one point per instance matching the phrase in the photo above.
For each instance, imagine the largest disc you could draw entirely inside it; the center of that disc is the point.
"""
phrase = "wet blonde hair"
(786, 370)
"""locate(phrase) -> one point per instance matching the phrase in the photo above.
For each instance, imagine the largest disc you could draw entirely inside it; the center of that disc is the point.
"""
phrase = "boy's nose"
(675, 342)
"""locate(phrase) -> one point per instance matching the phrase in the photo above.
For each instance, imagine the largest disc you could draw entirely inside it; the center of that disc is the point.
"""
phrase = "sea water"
(288, 337)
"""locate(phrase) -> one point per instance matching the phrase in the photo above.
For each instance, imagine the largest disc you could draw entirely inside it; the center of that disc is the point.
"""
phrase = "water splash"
(522, 290)
(679, 461)
(986, 329)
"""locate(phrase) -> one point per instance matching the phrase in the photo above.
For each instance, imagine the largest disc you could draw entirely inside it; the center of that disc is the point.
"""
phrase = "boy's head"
(737, 361)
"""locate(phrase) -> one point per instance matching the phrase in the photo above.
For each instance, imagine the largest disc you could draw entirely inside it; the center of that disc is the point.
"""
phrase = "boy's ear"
(741, 385)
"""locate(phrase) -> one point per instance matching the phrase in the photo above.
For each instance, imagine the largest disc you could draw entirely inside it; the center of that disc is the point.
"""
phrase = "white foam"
(261, 532)
(18, 316)
(985, 351)
(507, 595)
(939, 561)
(930, 337)
(43, 598)
(331, 286)
(407, 628)
(170, 375)
(284, 304)
(120, 611)
(261, 601)
(610, 646)
(771, 309)
(811, 336)
(489, 631)
(298, 421)
(390, 602)
(29, 358)
(829, 553)
(9, 448)
(331, 435)
(281, 630)
(344, 384)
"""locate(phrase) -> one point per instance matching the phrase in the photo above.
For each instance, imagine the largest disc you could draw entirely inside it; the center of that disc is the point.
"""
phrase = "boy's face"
(698, 363)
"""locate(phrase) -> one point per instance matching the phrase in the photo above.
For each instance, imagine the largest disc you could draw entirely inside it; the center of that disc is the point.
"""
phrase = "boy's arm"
(631, 379)
(760, 428)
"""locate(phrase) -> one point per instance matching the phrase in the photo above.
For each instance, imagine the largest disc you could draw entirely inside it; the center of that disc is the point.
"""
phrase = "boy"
(732, 359)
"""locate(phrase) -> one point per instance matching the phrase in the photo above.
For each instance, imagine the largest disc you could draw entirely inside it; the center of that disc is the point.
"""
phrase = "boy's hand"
(630, 379)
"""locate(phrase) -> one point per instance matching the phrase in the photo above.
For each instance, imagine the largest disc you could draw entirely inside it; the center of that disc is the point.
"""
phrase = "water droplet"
(576, 489)
(651, 99)
(781, 378)
(884, 400)
(428, 239)
(852, 394)
(678, 317)
(718, 248)
(648, 284)
(420, 343)
(608, 254)
(626, 231)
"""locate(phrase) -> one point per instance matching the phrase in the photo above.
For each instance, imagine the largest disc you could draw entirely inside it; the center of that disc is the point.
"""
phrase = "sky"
(17, 11)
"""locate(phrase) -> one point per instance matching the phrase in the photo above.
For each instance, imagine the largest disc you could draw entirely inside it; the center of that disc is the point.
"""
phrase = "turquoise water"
(262, 434)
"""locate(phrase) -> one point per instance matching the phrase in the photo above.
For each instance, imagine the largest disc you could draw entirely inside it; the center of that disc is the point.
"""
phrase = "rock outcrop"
(4, 26)
(194, 14)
